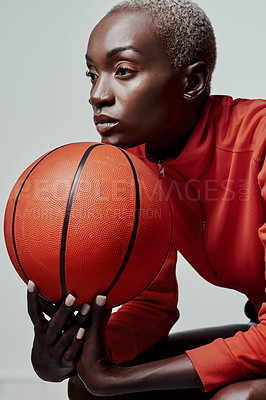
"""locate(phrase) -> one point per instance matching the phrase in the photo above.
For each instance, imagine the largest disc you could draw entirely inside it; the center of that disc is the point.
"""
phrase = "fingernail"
(85, 309)
(70, 300)
(100, 300)
(80, 333)
(31, 287)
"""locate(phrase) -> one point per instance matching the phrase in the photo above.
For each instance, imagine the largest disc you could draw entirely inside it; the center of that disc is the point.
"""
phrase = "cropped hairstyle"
(184, 28)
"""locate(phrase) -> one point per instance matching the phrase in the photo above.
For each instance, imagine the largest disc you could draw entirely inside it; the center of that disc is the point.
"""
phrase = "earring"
(187, 96)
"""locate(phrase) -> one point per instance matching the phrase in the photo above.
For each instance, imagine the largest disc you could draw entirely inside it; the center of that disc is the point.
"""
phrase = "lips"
(104, 123)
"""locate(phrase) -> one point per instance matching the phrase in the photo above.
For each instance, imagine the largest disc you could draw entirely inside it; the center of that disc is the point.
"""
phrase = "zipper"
(203, 215)
(161, 170)
(203, 231)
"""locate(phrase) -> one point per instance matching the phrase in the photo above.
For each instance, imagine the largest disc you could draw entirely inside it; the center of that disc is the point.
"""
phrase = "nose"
(101, 94)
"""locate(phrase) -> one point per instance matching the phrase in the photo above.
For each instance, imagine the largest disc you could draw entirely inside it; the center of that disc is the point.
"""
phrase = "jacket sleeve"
(146, 319)
(242, 356)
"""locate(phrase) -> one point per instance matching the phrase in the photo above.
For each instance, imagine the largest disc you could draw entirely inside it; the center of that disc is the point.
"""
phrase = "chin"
(109, 140)
(118, 142)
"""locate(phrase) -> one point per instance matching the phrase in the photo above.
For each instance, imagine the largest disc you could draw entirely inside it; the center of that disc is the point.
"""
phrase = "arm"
(146, 319)
(243, 356)
(103, 378)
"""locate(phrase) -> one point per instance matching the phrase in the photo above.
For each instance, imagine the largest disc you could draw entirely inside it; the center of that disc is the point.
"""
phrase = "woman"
(150, 63)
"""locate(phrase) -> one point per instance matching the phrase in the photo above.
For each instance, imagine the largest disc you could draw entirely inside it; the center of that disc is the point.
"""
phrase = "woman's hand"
(95, 367)
(57, 343)
(103, 378)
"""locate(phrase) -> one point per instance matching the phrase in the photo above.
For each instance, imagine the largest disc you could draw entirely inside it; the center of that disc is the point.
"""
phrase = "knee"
(244, 390)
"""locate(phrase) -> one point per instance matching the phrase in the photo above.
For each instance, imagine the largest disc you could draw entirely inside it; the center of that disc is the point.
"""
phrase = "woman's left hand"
(103, 378)
(95, 367)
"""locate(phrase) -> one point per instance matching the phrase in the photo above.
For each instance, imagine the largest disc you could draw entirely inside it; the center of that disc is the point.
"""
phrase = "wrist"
(99, 380)
(49, 373)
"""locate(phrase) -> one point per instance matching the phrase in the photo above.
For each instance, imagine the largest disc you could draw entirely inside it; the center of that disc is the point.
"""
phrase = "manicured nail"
(85, 309)
(100, 300)
(80, 333)
(31, 287)
(70, 300)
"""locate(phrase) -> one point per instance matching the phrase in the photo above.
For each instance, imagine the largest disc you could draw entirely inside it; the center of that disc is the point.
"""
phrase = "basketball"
(86, 219)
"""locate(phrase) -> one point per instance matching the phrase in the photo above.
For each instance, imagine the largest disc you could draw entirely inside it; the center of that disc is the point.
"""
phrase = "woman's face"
(135, 95)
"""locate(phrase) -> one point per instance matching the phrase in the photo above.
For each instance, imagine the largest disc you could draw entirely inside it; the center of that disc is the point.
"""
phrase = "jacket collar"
(197, 154)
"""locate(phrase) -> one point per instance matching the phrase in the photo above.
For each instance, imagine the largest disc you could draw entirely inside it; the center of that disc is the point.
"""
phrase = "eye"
(125, 72)
(91, 75)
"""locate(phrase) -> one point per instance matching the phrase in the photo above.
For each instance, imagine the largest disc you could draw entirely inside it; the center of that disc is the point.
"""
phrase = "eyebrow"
(115, 51)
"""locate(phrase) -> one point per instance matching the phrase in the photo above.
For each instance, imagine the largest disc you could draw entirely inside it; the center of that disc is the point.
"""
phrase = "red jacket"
(217, 190)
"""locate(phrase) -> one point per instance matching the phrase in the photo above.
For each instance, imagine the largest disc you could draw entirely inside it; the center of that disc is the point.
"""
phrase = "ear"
(197, 76)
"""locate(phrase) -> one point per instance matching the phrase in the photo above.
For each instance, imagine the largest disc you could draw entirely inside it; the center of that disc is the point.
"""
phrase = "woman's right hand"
(57, 342)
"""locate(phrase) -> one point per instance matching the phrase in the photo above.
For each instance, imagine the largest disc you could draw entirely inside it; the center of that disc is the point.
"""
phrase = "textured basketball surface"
(87, 219)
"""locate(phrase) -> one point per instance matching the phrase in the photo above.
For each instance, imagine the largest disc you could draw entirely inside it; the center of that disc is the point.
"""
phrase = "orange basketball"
(88, 219)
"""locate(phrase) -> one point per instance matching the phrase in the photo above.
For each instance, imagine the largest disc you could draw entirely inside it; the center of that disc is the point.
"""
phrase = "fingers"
(58, 342)
(47, 307)
(72, 353)
(99, 315)
(58, 323)
(34, 308)
(65, 333)
(68, 343)
(97, 322)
